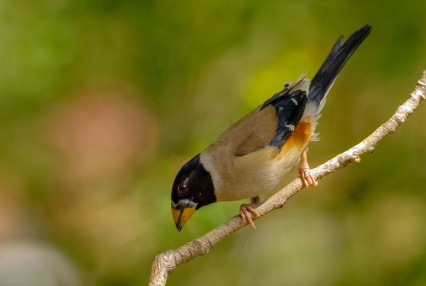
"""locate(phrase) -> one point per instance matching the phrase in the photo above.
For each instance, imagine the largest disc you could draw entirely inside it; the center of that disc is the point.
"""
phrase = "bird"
(253, 155)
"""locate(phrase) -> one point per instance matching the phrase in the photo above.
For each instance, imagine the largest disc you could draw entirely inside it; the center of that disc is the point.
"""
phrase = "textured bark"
(167, 261)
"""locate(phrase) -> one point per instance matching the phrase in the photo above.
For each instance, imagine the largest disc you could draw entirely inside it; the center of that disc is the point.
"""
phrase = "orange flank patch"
(299, 138)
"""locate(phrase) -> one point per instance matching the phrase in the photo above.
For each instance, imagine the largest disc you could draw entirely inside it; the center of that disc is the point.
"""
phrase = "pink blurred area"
(100, 135)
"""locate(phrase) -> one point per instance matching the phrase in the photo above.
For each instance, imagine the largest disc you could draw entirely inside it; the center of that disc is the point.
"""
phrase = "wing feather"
(270, 125)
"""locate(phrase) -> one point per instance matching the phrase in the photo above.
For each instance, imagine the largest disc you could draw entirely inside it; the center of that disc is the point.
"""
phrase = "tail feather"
(336, 59)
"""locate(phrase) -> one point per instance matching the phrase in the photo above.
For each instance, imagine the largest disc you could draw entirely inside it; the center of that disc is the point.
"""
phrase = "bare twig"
(167, 261)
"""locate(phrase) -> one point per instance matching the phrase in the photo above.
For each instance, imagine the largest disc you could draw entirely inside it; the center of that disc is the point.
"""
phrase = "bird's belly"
(254, 180)
(261, 171)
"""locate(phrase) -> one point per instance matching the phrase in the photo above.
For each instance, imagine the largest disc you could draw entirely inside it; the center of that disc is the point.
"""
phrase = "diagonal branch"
(167, 261)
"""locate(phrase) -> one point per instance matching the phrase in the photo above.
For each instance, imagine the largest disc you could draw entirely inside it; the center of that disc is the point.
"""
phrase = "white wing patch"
(290, 126)
(295, 83)
(280, 108)
(295, 101)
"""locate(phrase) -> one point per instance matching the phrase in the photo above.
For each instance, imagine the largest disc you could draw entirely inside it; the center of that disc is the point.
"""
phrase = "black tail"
(336, 59)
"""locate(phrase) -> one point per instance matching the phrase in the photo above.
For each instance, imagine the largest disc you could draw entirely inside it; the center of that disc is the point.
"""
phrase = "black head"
(192, 189)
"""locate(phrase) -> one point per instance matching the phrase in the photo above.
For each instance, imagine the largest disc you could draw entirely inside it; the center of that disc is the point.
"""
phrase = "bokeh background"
(103, 101)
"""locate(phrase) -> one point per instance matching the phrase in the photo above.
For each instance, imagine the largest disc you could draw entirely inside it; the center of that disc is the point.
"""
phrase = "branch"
(167, 261)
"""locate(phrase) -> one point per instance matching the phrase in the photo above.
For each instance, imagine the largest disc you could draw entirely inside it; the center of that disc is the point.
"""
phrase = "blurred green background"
(103, 101)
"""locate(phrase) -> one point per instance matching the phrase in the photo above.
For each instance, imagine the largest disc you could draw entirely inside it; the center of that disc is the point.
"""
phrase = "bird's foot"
(306, 176)
(246, 209)
(305, 172)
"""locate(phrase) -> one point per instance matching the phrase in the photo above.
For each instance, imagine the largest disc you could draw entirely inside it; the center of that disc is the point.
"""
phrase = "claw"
(305, 173)
(253, 211)
(242, 215)
(304, 180)
(245, 209)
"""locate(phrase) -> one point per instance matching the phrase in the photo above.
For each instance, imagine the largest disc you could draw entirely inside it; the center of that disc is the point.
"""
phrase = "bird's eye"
(183, 188)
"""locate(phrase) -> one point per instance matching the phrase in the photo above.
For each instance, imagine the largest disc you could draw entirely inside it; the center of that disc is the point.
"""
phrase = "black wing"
(289, 108)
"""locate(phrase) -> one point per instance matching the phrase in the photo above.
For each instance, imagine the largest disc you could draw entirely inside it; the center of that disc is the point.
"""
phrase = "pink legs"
(305, 172)
(245, 209)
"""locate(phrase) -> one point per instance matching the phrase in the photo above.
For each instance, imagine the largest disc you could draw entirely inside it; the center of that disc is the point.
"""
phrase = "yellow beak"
(182, 215)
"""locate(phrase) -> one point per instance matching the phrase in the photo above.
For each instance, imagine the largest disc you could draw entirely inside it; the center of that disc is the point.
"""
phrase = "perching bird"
(253, 155)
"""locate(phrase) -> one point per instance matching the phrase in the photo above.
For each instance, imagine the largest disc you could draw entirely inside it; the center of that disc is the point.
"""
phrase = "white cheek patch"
(295, 101)
(280, 108)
